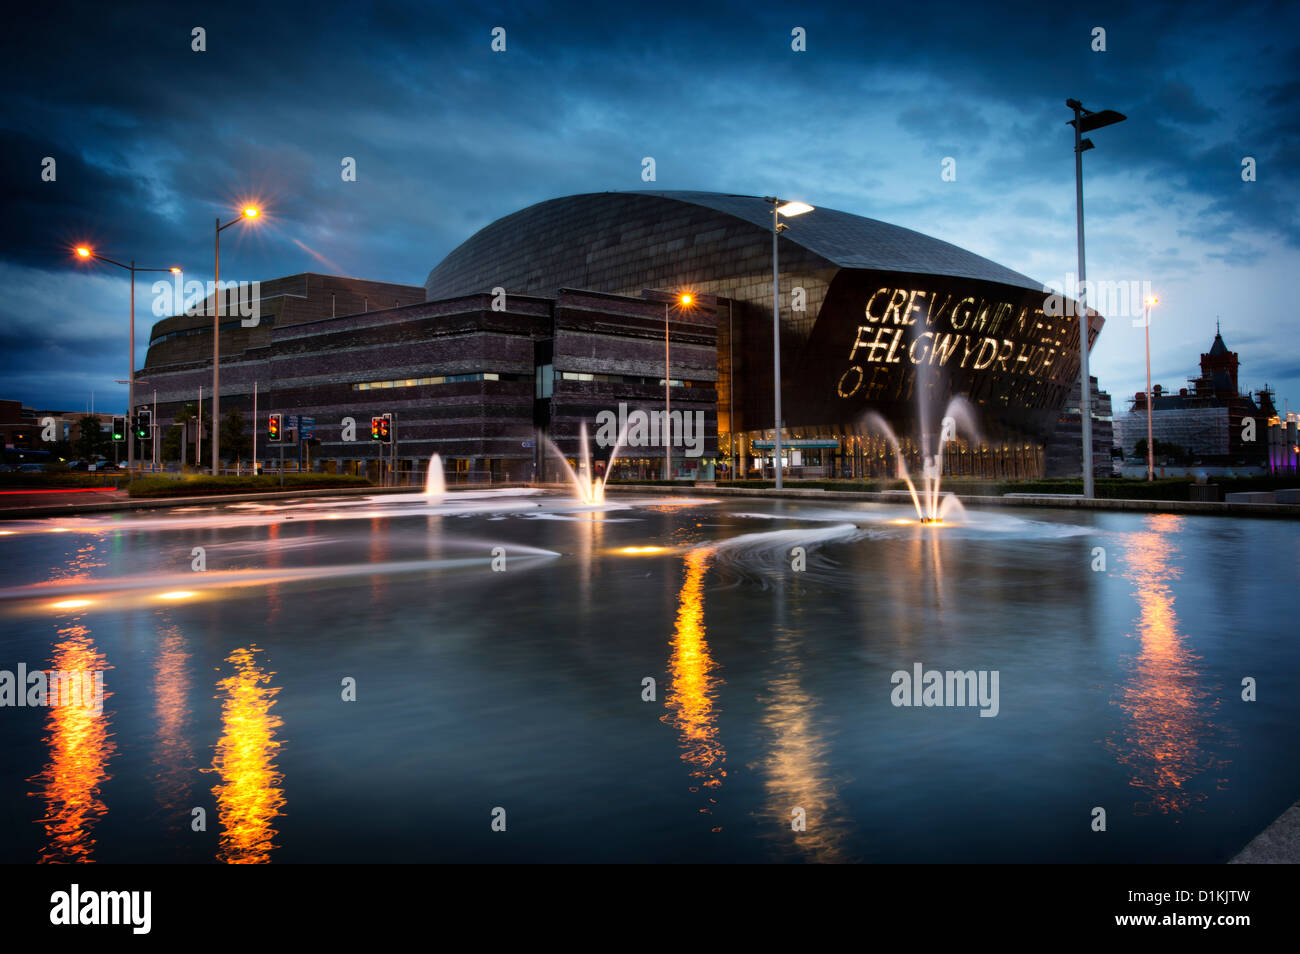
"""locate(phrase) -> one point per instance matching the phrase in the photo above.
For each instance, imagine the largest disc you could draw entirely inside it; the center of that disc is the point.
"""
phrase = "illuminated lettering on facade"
(969, 333)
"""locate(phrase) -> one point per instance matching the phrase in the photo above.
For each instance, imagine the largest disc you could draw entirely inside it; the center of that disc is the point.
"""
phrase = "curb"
(151, 503)
(1204, 507)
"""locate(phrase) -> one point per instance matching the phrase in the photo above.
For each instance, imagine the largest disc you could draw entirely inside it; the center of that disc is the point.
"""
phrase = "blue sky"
(153, 140)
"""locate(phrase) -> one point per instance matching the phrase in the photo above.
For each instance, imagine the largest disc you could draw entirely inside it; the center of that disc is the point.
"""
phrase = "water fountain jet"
(435, 484)
(586, 486)
(931, 505)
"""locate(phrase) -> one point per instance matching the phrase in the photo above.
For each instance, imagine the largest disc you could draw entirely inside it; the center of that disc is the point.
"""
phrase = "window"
(545, 381)
(438, 379)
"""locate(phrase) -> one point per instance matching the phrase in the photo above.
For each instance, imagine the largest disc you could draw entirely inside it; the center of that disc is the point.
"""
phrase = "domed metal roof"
(853, 241)
(625, 241)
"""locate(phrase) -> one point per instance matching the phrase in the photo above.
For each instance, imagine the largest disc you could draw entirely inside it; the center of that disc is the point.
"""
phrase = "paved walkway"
(67, 498)
(1278, 844)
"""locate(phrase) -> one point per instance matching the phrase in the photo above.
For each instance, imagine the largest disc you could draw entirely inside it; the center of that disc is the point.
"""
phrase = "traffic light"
(143, 418)
(380, 428)
(273, 429)
(119, 429)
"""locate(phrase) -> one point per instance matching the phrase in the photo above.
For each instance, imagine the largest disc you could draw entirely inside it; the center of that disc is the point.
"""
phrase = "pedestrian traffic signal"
(380, 428)
(119, 429)
(273, 429)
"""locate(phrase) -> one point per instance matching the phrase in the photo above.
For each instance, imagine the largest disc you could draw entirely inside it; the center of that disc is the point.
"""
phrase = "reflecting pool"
(645, 679)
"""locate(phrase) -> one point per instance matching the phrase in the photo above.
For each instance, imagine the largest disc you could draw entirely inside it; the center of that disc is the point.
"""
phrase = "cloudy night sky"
(153, 140)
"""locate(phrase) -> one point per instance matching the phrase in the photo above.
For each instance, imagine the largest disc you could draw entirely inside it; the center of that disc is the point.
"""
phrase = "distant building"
(1065, 448)
(1283, 444)
(18, 425)
(26, 428)
(1206, 419)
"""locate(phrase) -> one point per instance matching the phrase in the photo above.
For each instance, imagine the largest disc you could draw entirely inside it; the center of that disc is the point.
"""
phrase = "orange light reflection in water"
(693, 687)
(80, 747)
(797, 765)
(249, 798)
(1164, 702)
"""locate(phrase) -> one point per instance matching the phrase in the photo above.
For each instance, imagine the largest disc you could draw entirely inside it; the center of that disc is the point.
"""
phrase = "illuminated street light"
(85, 252)
(684, 300)
(1151, 453)
(1085, 121)
(794, 208)
(779, 208)
(250, 212)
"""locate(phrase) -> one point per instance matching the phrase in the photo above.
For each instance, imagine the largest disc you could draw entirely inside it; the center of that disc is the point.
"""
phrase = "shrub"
(201, 484)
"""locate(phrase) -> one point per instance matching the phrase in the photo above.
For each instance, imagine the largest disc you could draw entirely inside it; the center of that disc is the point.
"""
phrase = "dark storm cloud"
(153, 140)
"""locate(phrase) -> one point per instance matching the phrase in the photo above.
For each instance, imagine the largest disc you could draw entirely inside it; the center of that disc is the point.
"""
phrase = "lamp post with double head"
(249, 212)
(1085, 121)
(86, 253)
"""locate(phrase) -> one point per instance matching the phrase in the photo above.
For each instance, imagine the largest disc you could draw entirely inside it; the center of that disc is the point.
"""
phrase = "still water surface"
(524, 688)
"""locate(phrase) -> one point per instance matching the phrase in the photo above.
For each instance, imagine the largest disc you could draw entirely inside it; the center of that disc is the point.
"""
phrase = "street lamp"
(1151, 453)
(249, 212)
(1085, 121)
(684, 300)
(84, 252)
(789, 209)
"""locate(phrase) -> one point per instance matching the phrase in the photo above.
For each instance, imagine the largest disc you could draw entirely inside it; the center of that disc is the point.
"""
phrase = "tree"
(235, 440)
(91, 440)
(1163, 450)
(178, 443)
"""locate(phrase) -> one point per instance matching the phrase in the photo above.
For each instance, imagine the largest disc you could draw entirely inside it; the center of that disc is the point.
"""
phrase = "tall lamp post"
(1151, 453)
(788, 209)
(684, 300)
(88, 253)
(1085, 121)
(251, 212)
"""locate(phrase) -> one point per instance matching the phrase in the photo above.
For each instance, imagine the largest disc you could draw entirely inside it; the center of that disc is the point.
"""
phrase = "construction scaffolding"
(1200, 431)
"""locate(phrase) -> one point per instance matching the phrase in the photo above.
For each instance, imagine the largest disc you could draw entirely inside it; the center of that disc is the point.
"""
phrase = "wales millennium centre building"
(558, 316)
